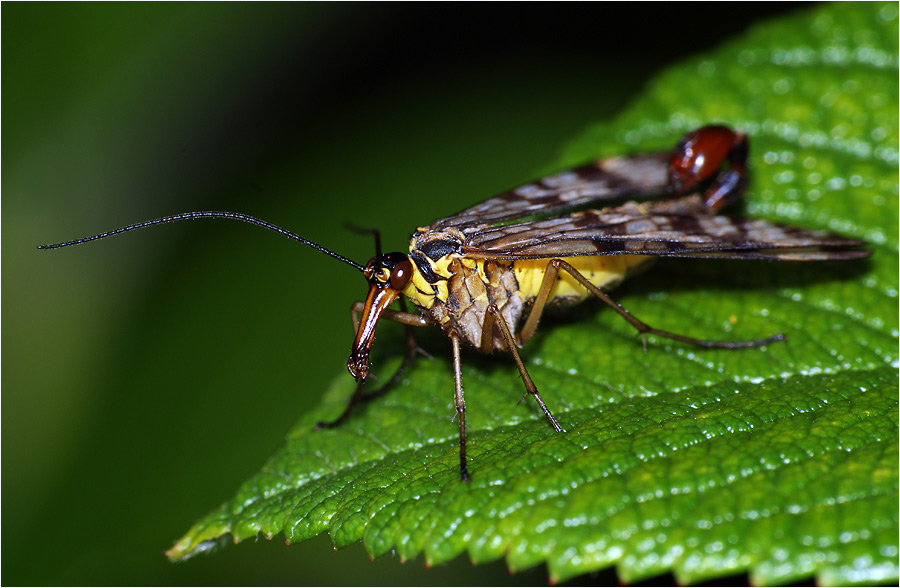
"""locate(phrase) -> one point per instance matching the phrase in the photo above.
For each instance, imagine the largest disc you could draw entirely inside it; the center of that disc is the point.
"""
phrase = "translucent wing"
(608, 179)
(667, 228)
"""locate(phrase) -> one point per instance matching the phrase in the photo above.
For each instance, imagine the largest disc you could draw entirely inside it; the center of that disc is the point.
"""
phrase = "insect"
(486, 274)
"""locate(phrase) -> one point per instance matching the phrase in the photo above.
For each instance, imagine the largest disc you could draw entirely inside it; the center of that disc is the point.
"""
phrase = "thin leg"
(358, 396)
(487, 333)
(530, 388)
(537, 309)
(459, 400)
(644, 329)
(411, 344)
(412, 349)
(404, 318)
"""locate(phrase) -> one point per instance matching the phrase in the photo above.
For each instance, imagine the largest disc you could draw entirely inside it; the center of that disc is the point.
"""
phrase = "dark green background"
(146, 377)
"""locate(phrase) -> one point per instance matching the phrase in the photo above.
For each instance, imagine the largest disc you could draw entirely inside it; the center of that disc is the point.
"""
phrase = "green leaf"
(779, 461)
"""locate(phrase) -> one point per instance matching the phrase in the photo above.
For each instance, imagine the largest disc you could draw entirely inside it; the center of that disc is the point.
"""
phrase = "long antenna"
(367, 231)
(207, 214)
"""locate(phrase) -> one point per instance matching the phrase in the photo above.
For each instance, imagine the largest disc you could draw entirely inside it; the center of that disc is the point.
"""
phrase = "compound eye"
(401, 274)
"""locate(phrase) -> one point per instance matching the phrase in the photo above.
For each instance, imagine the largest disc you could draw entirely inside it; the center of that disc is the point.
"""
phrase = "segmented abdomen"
(512, 286)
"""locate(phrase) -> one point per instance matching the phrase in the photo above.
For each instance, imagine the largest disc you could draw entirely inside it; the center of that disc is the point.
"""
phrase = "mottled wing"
(667, 228)
(604, 180)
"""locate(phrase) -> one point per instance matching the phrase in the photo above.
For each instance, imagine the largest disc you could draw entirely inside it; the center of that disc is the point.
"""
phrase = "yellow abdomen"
(603, 271)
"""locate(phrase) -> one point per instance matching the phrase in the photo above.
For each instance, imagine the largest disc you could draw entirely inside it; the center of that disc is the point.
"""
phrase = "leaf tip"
(189, 546)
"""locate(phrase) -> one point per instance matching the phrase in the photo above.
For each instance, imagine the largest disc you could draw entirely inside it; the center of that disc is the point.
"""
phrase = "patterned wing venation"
(607, 179)
(673, 228)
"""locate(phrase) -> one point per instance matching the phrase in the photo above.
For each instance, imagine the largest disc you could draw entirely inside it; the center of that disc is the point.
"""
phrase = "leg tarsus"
(419, 351)
(643, 328)
(530, 388)
(459, 401)
(359, 396)
(717, 344)
(354, 400)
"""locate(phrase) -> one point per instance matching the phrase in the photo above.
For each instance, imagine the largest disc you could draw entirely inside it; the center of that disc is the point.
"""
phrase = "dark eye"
(401, 274)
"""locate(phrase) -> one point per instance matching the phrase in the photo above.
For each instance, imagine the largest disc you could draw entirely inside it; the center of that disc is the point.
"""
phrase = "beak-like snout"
(378, 299)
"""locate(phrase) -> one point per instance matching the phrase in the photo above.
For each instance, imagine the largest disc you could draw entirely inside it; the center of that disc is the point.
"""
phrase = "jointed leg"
(359, 395)
(644, 329)
(403, 317)
(493, 315)
(459, 400)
